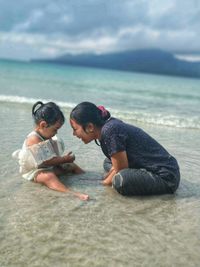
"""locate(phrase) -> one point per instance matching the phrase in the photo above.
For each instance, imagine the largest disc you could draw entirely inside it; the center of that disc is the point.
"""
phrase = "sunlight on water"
(159, 100)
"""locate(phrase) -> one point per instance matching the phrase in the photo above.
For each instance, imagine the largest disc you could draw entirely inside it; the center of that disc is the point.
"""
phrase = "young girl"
(41, 158)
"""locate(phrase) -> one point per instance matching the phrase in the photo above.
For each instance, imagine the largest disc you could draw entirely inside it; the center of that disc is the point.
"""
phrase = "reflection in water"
(110, 230)
(40, 227)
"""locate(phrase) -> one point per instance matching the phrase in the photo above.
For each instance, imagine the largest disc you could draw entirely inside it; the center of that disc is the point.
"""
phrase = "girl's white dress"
(31, 157)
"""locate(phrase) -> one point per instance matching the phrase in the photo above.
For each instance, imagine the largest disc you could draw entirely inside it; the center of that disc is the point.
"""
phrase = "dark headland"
(153, 61)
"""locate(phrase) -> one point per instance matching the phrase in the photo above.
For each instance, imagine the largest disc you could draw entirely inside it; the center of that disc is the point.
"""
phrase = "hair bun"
(104, 112)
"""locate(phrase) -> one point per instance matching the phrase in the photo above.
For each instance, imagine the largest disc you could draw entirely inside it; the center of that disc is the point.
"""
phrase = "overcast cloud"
(32, 28)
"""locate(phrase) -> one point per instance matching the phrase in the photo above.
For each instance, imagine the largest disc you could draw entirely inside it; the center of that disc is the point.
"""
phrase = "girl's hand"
(69, 158)
(108, 173)
(106, 182)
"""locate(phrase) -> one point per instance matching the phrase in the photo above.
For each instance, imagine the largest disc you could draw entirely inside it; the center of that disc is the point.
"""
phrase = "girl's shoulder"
(33, 138)
(113, 122)
(113, 125)
(118, 127)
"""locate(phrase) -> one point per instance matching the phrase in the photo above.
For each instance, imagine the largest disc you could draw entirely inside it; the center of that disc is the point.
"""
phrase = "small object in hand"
(73, 156)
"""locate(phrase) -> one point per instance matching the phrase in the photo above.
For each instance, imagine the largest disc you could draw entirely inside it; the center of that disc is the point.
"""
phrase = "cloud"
(25, 25)
(52, 28)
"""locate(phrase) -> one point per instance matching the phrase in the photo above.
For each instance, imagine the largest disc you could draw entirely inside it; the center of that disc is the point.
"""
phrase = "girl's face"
(86, 135)
(49, 131)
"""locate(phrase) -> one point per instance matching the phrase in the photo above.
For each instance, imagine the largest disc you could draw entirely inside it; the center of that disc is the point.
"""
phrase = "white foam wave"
(138, 116)
(26, 100)
(159, 119)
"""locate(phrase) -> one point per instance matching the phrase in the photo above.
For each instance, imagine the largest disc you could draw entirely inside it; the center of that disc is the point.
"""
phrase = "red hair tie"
(103, 111)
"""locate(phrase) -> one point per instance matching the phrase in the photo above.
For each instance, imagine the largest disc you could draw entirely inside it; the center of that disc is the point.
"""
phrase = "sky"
(46, 28)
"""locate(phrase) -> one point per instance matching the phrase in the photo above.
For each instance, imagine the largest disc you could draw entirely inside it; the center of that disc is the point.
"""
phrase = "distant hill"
(147, 61)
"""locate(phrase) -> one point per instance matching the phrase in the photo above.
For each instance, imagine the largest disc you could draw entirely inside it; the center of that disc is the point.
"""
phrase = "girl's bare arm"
(119, 162)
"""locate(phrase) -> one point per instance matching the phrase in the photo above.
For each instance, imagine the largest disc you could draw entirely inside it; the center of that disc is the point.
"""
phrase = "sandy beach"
(46, 228)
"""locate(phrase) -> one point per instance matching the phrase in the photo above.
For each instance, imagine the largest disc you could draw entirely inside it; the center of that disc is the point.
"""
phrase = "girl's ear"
(90, 128)
(43, 124)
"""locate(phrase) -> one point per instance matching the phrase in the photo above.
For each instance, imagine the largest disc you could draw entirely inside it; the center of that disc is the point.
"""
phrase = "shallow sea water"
(40, 227)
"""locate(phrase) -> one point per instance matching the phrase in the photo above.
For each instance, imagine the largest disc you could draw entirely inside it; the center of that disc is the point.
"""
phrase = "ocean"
(41, 227)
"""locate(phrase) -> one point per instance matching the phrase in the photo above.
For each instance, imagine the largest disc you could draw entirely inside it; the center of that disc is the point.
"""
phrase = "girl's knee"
(117, 183)
(125, 182)
(45, 177)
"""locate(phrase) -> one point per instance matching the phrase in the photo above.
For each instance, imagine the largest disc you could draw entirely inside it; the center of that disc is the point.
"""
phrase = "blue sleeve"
(115, 142)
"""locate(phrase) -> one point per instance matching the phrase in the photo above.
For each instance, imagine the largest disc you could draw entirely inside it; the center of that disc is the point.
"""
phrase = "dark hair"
(87, 112)
(48, 112)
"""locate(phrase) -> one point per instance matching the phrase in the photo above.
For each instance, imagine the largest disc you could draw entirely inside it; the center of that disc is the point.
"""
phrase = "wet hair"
(48, 112)
(87, 112)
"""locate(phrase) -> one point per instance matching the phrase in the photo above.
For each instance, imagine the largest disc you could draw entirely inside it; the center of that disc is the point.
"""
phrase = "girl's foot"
(82, 196)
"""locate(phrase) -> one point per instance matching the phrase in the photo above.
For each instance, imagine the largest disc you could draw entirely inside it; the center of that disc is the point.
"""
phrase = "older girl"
(136, 164)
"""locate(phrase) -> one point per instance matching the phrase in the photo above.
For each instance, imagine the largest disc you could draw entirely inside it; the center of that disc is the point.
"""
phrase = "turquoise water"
(160, 100)
(40, 227)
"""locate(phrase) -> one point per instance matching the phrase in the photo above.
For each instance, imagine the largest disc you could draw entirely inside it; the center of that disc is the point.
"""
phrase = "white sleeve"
(60, 144)
(33, 156)
(25, 159)
(42, 151)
